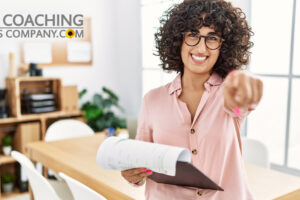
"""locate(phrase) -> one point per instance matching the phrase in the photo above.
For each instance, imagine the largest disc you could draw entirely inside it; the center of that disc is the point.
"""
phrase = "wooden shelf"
(34, 78)
(35, 117)
(6, 160)
(26, 128)
(14, 194)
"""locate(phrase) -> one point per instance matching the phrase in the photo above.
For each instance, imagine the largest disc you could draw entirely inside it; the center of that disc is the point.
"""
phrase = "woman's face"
(199, 59)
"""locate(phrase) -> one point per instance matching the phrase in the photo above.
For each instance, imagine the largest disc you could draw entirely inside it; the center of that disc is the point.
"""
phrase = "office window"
(296, 63)
(275, 59)
(271, 21)
(268, 122)
(294, 142)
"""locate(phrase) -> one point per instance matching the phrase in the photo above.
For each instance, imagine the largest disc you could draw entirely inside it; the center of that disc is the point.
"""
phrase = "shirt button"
(194, 151)
(200, 192)
(192, 131)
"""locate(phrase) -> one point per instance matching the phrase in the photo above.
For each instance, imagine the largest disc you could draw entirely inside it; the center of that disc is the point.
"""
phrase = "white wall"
(245, 5)
(116, 46)
(129, 51)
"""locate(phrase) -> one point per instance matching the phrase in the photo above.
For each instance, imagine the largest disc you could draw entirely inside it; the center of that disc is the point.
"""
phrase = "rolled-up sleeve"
(243, 112)
(144, 129)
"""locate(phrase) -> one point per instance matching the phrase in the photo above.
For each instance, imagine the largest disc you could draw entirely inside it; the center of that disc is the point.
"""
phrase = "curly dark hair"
(190, 15)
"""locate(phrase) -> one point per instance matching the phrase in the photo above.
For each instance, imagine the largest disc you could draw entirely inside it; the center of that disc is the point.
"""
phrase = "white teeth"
(199, 58)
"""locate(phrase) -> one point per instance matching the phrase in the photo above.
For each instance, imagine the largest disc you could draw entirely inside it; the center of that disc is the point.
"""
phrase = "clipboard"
(186, 175)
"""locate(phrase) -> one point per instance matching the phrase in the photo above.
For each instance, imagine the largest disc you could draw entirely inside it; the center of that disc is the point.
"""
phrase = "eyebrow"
(212, 33)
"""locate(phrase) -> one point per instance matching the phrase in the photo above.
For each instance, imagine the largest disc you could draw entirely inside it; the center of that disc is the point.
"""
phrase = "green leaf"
(120, 108)
(82, 93)
(6, 141)
(92, 112)
(92, 124)
(7, 178)
(119, 123)
(110, 93)
(102, 124)
(98, 112)
(85, 105)
(98, 101)
(109, 115)
(122, 123)
(107, 104)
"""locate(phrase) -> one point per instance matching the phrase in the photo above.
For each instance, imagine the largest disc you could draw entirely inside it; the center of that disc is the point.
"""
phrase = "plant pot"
(7, 187)
(6, 150)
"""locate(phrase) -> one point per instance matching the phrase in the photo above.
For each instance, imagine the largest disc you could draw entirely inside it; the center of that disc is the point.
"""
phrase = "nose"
(201, 47)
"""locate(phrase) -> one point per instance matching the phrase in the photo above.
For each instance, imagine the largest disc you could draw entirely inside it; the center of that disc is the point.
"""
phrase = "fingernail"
(144, 169)
(149, 172)
(237, 111)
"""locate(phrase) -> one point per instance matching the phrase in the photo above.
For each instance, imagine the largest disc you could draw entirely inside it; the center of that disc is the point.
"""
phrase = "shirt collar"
(213, 80)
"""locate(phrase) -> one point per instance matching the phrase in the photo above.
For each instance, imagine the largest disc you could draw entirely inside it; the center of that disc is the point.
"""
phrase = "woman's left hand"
(242, 90)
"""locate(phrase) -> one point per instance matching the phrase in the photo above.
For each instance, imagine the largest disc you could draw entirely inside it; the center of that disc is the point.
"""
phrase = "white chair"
(255, 152)
(69, 128)
(79, 190)
(65, 129)
(131, 126)
(41, 188)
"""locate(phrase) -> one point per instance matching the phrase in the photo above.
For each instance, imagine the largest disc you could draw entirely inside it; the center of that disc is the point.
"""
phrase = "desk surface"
(77, 158)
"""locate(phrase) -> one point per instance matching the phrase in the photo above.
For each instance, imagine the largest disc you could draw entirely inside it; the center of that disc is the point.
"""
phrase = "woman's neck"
(193, 81)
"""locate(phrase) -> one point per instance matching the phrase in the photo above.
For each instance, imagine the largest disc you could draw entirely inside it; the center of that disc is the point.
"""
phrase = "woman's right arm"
(144, 133)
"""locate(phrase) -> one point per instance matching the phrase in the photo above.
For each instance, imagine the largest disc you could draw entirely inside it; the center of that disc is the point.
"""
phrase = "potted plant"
(6, 145)
(99, 111)
(7, 183)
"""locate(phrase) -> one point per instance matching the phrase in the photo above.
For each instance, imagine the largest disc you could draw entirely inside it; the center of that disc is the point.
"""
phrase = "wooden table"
(268, 184)
(77, 158)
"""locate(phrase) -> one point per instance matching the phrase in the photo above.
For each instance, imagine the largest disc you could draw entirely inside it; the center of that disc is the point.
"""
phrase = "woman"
(207, 42)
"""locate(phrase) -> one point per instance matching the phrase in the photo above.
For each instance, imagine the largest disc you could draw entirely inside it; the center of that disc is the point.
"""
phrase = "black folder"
(186, 175)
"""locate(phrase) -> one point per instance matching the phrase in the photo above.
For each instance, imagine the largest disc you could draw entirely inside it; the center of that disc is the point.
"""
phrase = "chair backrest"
(79, 190)
(131, 126)
(41, 188)
(255, 152)
(69, 128)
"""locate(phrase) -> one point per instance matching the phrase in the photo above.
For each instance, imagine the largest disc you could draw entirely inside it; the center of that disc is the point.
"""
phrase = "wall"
(245, 5)
(116, 46)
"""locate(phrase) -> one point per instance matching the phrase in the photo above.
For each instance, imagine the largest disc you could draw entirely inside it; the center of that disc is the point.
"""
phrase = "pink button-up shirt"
(165, 119)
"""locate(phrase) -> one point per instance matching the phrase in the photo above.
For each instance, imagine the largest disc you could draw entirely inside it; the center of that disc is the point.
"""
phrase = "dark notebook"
(186, 175)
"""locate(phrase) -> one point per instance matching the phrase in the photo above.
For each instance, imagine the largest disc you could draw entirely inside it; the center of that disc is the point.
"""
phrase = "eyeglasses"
(212, 42)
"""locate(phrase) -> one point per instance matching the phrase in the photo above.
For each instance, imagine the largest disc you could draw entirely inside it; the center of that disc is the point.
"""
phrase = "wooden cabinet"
(26, 128)
(69, 98)
(31, 85)
(25, 133)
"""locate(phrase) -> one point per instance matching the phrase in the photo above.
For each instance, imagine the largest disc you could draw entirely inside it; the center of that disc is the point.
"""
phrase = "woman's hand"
(242, 91)
(135, 175)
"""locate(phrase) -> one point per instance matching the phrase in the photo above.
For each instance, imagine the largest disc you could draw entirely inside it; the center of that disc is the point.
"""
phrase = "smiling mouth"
(199, 59)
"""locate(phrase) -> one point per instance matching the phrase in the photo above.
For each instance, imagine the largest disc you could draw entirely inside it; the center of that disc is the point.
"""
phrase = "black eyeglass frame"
(199, 39)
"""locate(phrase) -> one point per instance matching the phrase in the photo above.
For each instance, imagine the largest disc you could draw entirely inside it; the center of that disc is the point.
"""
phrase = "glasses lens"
(213, 42)
(191, 38)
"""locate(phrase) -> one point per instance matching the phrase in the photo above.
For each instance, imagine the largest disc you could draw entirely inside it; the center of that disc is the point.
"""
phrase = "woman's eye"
(192, 34)
(212, 38)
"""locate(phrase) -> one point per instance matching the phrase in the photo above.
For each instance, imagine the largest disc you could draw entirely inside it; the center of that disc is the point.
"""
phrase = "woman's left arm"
(242, 91)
